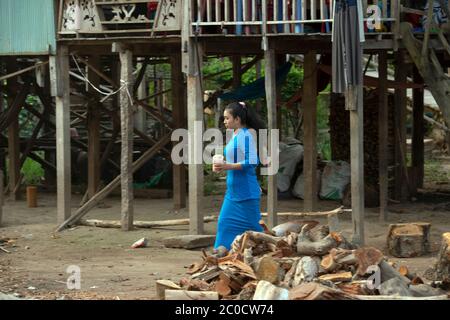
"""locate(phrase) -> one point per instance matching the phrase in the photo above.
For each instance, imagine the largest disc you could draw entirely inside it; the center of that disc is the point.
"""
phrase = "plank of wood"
(189, 241)
(337, 277)
(191, 295)
(143, 224)
(163, 285)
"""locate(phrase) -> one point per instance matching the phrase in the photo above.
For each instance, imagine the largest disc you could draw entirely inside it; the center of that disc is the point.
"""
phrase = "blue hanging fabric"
(256, 89)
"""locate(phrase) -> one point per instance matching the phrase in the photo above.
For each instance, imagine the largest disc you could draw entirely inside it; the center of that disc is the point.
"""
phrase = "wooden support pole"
(13, 136)
(60, 69)
(418, 132)
(195, 127)
(126, 121)
(142, 92)
(94, 169)
(271, 98)
(237, 75)
(179, 119)
(191, 57)
(310, 131)
(383, 121)
(401, 184)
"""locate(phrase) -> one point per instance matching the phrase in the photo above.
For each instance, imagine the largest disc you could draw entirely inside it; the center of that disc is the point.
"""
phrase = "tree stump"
(442, 268)
(408, 240)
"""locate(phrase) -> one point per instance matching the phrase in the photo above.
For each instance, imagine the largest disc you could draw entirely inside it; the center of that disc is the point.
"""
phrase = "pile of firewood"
(306, 263)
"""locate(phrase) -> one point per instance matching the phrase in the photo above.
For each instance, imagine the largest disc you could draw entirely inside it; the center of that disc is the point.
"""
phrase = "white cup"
(217, 159)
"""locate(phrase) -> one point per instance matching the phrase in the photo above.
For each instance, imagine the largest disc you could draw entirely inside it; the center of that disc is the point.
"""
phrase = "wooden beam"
(18, 73)
(401, 188)
(63, 151)
(418, 132)
(271, 98)
(310, 131)
(383, 127)
(102, 194)
(126, 121)
(13, 130)
(195, 127)
(93, 117)
(180, 121)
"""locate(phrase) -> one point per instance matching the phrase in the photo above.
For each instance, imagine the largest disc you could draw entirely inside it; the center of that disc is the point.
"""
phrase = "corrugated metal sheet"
(27, 27)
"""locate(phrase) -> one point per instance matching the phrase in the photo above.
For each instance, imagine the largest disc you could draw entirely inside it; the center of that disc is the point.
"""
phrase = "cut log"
(267, 291)
(292, 226)
(163, 285)
(388, 273)
(142, 224)
(191, 295)
(316, 291)
(307, 247)
(267, 269)
(318, 233)
(189, 241)
(442, 267)
(409, 240)
(337, 259)
(367, 257)
(337, 277)
(424, 290)
(394, 287)
(306, 271)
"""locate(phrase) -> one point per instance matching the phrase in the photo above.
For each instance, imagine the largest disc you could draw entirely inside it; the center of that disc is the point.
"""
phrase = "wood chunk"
(163, 285)
(267, 269)
(316, 291)
(307, 247)
(394, 287)
(367, 257)
(424, 290)
(318, 232)
(338, 258)
(189, 241)
(222, 288)
(191, 295)
(353, 288)
(207, 275)
(409, 240)
(306, 271)
(337, 277)
(292, 226)
(388, 273)
(267, 291)
(442, 267)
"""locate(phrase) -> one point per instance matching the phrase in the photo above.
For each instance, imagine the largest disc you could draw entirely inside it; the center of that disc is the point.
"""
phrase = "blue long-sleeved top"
(242, 184)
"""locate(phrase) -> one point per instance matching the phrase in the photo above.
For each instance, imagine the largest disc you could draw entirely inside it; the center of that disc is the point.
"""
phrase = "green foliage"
(32, 172)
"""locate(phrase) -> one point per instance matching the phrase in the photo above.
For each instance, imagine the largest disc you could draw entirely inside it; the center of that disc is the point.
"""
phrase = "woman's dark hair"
(248, 116)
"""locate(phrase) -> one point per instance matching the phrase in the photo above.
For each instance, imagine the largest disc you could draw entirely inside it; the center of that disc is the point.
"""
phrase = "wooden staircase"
(428, 65)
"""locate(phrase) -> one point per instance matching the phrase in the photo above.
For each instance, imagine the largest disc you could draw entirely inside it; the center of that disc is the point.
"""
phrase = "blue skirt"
(237, 217)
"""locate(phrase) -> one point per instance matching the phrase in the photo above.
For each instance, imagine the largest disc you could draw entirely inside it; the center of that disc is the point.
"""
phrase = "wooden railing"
(85, 18)
(246, 17)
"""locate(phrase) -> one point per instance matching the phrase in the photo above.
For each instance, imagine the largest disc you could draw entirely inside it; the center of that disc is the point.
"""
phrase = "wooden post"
(310, 131)
(237, 76)
(383, 126)
(271, 98)
(179, 119)
(418, 132)
(401, 183)
(191, 56)
(141, 115)
(13, 137)
(60, 69)
(126, 121)
(94, 169)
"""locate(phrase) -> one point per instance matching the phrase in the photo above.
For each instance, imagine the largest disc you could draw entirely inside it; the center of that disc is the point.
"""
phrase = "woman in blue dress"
(241, 207)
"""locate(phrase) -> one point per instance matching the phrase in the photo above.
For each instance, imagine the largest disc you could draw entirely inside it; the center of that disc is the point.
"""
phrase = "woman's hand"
(226, 166)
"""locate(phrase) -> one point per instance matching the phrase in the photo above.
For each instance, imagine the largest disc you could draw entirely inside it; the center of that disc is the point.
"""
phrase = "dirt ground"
(110, 269)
